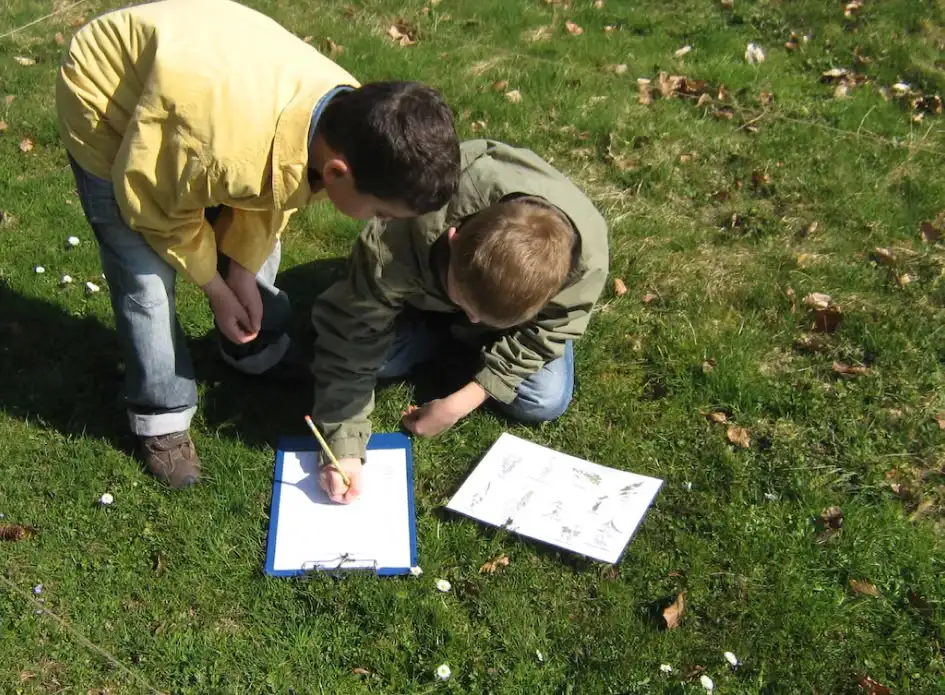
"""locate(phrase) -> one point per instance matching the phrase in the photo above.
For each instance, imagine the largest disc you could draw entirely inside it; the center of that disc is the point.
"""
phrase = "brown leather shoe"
(171, 458)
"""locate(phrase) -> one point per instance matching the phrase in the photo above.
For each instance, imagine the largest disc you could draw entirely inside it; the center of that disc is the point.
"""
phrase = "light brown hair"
(510, 259)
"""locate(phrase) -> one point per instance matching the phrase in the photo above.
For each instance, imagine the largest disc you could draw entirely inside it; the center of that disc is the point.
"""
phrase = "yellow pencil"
(331, 456)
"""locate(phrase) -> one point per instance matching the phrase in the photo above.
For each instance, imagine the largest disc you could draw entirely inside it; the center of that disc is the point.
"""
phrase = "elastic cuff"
(494, 386)
(157, 424)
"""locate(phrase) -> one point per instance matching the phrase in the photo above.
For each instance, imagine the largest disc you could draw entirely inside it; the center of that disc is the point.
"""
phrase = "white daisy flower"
(443, 672)
(39, 270)
(443, 585)
(416, 571)
(73, 241)
(666, 668)
(65, 280)
(707, 683)
(731, 658)
(106, 499)
(91, 287)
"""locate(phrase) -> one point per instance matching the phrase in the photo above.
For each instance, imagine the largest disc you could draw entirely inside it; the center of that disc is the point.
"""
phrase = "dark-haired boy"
(511, 267)
(195, 130)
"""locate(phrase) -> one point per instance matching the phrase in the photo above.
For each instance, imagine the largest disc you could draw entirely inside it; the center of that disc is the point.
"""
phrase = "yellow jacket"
(187, 104)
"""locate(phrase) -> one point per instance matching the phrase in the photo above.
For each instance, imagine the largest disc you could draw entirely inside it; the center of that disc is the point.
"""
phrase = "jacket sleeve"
(162, 192)
(354, 327)
(249, 236)
(523, 351)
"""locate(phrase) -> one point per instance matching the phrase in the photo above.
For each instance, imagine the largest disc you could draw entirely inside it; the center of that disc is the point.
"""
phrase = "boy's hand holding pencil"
(340, 479)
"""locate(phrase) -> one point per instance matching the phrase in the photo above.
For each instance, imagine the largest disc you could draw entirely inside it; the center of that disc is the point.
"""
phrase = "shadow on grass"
(66, 372)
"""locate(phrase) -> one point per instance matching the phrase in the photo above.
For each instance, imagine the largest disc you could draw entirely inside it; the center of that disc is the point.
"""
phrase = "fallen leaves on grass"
(933, 231)
(649, 297)
(3, 126)
(793, 43)
(514, 96)
(9, 99)
(493, 565)
(573, 28)
(754, 54)
(610, 573)
(738, 436)
(26, 145)
(620, 289)
(359, 671)
(872, 687)
(940, 419)
(850, 370)
(402, 33)
(827, 314)
(620, 69)
(59, 38)
(863, 587)
(680, 52)
(884, 256)
(16, 532)
(644, 91)
(708, 365)
(851, 8)
(24, 61)
(334, 49)
(718, 417)
(674, 612)
(829, 523)
(500, 85)
(843, 80)
(613, 157)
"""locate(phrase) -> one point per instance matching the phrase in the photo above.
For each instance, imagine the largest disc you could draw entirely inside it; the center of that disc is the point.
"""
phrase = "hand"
(335, 487)
(229, 312)
(430, 419)
(243, 284)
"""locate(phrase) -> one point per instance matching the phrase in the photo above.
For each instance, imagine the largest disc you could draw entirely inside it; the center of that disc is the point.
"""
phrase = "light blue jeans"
(542, 397)
(159, 391)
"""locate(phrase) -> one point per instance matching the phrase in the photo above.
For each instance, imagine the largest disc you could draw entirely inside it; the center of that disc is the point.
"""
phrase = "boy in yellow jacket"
(191, 149)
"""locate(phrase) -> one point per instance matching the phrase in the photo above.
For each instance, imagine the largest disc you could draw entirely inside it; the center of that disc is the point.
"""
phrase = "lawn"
(737, 192)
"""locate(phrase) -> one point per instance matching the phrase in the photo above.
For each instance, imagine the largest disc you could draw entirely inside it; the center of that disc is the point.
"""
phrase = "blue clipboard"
(309, 444)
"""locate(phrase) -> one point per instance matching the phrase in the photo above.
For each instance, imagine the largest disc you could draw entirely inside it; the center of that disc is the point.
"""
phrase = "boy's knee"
(539, 407)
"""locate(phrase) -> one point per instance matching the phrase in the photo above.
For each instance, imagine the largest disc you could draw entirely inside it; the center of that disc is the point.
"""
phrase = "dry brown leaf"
(872, 687)
(818, 300)
(3, 126)
(598, 4)
(620, 289)
(793, 43)
(686, 157)
(494, 564)
(827, 320)
(931, 233)
(680, 52)
(704, 100)
(610, 573)
(334, 49)
(402, 33)
(850, 370)
(904, 279)
(940, 419)
(674, 612)
(307, 39)
(477, 126)
(26, 145)
(722, 94)
(863, 587)
(16, 532)
(610, 29)
(708, 365)
(643, 88)
(649, 297)
(727, 4)
(718, 417)
(514, 96)
(620, 69)
(77, 22)
(829, 523)
(809, 342)
(358, 671)
(59, 38)
(851, 8)
(668, 84)
(9, 99)
(573, 28)
(884, 256)
(738, 436)
(24, 61)
(724, 113)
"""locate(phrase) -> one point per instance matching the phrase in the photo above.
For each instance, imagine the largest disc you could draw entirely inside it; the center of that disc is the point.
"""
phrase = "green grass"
(171, 584)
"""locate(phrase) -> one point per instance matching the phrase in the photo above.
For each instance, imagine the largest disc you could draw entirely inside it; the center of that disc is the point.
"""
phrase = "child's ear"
(335, 169)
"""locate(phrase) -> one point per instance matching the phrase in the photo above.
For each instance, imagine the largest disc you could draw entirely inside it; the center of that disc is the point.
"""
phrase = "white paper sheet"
(315, 533)
(556, 498)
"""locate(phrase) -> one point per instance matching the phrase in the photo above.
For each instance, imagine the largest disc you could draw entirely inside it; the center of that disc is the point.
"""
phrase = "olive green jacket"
(401, 263)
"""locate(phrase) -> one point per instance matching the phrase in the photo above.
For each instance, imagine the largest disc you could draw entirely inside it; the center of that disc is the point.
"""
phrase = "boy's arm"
(249, 236)
(514, 357)
(354, 327)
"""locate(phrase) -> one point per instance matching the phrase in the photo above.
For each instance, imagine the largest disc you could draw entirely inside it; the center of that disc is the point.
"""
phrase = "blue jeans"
(542, 397)
(159, 391)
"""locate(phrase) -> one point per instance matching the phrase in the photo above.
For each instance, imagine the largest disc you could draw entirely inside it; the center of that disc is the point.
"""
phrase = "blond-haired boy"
(512, 265)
